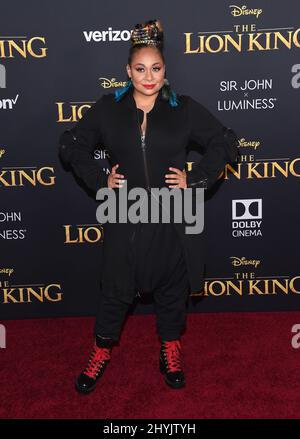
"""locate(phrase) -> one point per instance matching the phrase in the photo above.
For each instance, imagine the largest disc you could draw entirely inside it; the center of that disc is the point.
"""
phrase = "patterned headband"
(150, 33)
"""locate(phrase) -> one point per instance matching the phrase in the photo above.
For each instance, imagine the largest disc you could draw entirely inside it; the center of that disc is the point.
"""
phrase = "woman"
(146, 128)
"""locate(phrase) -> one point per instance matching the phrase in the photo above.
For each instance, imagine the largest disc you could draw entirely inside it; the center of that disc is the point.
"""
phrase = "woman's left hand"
(178, 179)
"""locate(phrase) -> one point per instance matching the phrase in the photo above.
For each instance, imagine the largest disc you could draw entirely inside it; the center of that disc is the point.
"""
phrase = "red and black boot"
(99, 358)
(170, 363)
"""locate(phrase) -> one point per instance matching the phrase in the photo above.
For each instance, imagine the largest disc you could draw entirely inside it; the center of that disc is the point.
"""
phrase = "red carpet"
(237, 365)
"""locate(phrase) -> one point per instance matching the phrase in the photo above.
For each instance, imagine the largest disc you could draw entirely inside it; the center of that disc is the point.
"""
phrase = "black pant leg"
(110, 316)
(170, 302)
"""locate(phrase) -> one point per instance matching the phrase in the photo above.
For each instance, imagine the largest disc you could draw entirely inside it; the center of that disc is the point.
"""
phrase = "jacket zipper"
(143, 146)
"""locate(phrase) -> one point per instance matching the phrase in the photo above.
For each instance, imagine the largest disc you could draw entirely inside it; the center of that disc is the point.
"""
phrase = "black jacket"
(170, 130)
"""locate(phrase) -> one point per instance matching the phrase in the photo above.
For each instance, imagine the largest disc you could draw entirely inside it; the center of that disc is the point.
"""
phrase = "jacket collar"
(130, 101)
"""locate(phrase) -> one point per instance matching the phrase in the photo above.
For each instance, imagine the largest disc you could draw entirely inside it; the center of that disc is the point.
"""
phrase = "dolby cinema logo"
(246, 217)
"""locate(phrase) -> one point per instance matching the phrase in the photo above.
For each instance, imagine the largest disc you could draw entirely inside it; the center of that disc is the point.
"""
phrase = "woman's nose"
(149, 75)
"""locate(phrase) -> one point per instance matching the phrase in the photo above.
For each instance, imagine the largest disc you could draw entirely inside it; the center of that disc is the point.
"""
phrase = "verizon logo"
(106, 35)
(8, 104)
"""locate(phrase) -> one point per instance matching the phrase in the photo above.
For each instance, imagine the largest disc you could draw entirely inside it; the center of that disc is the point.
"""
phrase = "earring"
(166, 82)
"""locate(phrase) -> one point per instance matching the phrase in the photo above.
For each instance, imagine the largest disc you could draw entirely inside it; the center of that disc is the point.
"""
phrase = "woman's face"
(147, 68)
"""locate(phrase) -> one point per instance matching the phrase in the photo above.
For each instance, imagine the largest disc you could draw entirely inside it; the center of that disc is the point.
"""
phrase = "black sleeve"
(219, 142)
(77, 145)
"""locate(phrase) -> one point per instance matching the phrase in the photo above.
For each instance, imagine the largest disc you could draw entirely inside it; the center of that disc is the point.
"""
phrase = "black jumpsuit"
(155, 260)
(159, 267)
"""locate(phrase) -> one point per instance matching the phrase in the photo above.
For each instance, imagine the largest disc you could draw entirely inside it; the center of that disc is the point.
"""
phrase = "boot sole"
(85, 391)
(170, 384)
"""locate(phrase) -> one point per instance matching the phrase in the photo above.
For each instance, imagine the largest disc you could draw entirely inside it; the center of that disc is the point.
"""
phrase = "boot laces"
(96, 361)
(172, 355)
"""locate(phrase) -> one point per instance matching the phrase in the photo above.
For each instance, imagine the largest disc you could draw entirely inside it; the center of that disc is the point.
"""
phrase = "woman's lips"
(150, 86)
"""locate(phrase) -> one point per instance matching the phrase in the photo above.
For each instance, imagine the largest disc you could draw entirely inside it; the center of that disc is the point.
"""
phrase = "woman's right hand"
(114, 179)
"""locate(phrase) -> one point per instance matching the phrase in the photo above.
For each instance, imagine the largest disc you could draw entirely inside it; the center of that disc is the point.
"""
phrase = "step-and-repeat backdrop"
(241, 61)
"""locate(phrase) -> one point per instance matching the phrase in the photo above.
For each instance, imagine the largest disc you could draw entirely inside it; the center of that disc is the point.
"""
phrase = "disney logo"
(109, 83)
(253, 144)
(237, 11)
(237, 262)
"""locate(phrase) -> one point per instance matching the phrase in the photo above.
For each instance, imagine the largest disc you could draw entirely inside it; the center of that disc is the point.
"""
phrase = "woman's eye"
(139, 69)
